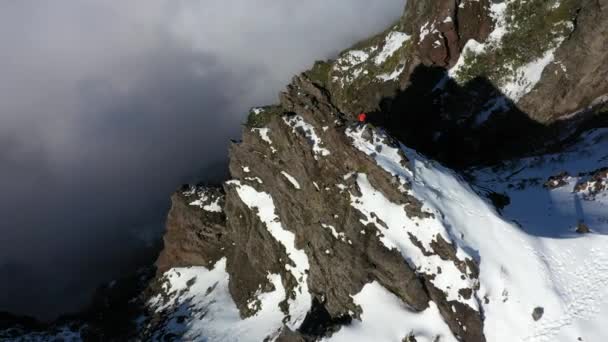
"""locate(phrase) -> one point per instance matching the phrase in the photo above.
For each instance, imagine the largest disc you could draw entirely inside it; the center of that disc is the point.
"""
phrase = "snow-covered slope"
(562, 270)
(539, 280)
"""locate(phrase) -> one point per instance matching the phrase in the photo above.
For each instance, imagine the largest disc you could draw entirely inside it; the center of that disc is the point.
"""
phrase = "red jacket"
(362, 117)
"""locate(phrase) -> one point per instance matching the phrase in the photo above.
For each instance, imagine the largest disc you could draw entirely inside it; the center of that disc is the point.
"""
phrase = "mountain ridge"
(324, 218)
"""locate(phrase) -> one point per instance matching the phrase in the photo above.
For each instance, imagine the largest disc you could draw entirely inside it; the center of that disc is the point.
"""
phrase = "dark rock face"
(537, 314)
(582, 228)
(443, 28)
(305, 210)
(194, 237)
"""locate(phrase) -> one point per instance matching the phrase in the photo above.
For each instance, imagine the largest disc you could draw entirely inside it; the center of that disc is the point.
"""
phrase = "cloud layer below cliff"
(106, 107)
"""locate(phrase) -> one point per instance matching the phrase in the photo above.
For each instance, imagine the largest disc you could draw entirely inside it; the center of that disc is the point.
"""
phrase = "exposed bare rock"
(577, 80)
(196, 229)
(582, 228)
(557, 181)
(595, 183)
(537, 314)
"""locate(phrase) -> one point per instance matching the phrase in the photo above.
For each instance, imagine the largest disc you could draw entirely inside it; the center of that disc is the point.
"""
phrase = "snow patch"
(338, 236)
(264, 206)
(194, 290)
(207, 200)
(264, 134)
(395, 226)
(354, 57)
(393, 42)
(297, 123)
(392, 76)
(291, 180)
(524, 78)
(472, 47)
(255, 179)
(386, 318)
(527, 76)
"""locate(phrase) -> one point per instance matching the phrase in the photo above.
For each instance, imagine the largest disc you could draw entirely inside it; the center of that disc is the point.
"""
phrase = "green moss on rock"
(360, 87)
(261, 116)
(319, 73)
(533, 27)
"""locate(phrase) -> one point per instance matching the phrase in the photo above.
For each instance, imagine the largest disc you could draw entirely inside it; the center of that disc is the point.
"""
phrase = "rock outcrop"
(493, 80)
(195, 229)
(304, 170)
(299, 222)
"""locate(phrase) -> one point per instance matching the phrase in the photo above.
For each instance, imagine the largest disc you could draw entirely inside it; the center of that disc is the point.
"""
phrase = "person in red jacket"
(361, 118)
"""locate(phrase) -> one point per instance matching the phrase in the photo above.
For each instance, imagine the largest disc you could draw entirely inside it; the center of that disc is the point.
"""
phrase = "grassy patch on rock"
(358, 83)
(261, 116)
(532, 28)
(319, 73)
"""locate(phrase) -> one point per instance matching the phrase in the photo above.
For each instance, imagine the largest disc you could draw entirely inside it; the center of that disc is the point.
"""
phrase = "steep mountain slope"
(334, 230)
(328, 220)
(415, 229)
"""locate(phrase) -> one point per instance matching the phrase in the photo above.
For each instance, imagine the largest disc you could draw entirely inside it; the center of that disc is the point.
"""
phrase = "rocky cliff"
(321, 210)
(335, 230)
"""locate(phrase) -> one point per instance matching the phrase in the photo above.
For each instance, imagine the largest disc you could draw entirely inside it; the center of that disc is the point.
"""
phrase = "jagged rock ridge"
(310, 208)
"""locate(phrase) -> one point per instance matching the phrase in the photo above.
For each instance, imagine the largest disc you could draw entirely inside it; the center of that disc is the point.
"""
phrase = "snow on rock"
(530, 256)
(297, 123)
(291, 180)
(471, 47)
(255, 179)
(396, 226)
(390, 158)
(524, 78)
(352, 58)
(350, 65)
(497, 12)
(425, 30)
(338, 236)
(527, 76)
(264, 206)
(264, 135)
(200, 307)
(207, 200)
(392, 76)
(386, 318)
(394, 41)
